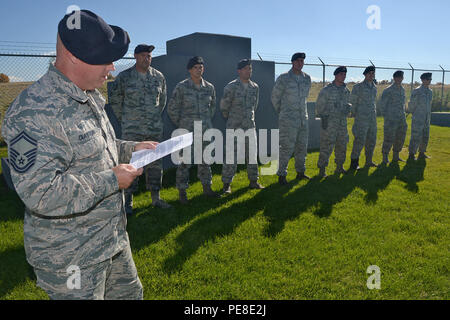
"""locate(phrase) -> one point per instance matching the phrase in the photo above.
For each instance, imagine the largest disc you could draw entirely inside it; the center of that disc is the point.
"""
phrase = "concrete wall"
(221, 54)
(440, 119)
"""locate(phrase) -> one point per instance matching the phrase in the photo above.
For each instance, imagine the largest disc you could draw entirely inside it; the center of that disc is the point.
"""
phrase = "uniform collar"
(191, 83)
(293, 75)
(369, 84)
(250, 82)
(137, 72)
(64, 83)
(333, 83)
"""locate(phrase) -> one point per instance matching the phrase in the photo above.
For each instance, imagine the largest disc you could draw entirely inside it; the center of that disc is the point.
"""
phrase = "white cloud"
(15, 79)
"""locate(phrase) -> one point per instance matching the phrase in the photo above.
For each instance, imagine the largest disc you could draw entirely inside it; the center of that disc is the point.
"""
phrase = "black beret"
(368, 69)
(193, 61)
(243, 63)
(143, 48)
(398, 74)
(340, 69)
(93, 40)
(297, 55)
(426, 76)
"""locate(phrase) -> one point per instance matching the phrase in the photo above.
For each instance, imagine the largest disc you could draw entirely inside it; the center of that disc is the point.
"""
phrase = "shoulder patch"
(22, 152)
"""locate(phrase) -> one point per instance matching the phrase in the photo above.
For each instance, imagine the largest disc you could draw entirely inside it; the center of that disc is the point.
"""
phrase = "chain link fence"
(21, 70)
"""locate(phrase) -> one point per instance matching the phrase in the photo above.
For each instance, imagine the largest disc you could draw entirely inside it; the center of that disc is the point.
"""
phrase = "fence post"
(412, 78)
(323, 66)
(442, 90)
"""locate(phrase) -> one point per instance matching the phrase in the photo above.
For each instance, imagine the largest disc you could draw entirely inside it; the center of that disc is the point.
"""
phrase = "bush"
(4, 78)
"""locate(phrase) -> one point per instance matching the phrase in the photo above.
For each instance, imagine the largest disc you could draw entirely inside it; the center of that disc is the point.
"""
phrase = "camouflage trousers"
(394, 135)
(153, 178)
(335, 136)
(251, 158)
(293, 140)
(203, 172)
(113, 279)
(420, 135)
(153, 172)
(365, 133)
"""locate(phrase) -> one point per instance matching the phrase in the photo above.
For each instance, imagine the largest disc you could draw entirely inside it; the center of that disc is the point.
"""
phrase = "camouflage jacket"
(363, 99)
(333, 102)
(289, 97)
(420, 103)
(138, 103)
(392, 104)
(62, 149)
(189, 103)
(239, 104)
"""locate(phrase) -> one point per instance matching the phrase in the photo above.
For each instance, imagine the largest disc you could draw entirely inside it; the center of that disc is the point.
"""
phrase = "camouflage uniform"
(289, 100)
(238, 105)
(333, 104)
(364, 128)
(392, 106)
(62, 149)
(420, 107)
(188, 104)
(137, 102)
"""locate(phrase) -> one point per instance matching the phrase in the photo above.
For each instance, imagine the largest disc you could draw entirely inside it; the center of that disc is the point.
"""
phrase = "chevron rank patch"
(22, 152)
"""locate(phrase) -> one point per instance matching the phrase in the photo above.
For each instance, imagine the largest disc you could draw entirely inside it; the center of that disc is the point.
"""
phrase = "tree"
(4, 78)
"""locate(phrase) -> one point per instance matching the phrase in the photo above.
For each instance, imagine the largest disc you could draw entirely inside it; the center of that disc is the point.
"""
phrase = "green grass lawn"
(307, 240)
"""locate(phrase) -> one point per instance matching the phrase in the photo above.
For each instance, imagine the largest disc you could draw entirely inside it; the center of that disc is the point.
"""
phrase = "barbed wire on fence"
(23, 69)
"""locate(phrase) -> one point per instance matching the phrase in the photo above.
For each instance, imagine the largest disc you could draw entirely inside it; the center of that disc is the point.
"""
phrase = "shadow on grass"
(149, 225)
(280, 204)
(412, 173)
(14, 270)
(12, 208)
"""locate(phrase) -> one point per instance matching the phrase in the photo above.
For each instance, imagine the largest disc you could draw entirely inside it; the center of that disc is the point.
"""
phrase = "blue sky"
(411, 31)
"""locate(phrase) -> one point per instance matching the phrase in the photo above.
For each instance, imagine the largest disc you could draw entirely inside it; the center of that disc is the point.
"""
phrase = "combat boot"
(385, 159)
(354, 164)
(302, 175)
(422, 155)
(158, 202)
(396, 157)
(282, 180)
(254, 184)
(129, 204)
(207, 191)
(340, 169)
(183, 196)
(227, 188)
(322, 172)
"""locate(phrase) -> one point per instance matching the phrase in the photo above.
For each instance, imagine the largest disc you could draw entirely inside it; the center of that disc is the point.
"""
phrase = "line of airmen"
(138, 97)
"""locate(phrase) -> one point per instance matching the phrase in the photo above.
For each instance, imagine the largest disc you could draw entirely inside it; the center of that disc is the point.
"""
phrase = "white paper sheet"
(142, 158)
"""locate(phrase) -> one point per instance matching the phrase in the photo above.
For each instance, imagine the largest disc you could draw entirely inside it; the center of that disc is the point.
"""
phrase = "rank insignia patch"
(22, 152)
